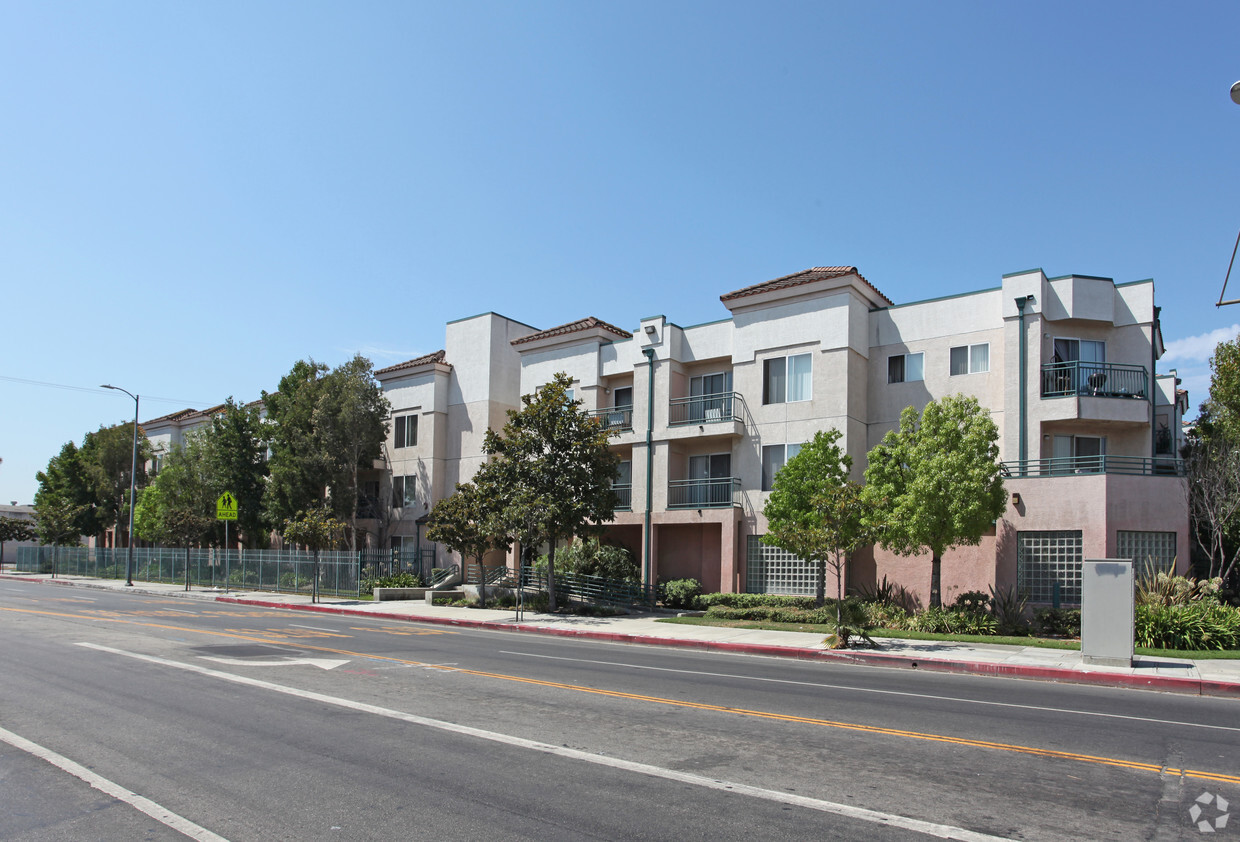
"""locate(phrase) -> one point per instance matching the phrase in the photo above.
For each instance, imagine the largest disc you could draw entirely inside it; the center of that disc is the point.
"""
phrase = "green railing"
(719, 493)
(615, 418)
(1099, 380)
(624, 497)
(706, 409)
(592, 589)
(340, 572)
(1072, 465)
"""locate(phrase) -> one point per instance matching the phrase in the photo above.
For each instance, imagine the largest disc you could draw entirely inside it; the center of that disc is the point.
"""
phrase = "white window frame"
(971, 365)
(786, 390)
(786, 452)
(904, 376)
(407, 485)
(401, 422)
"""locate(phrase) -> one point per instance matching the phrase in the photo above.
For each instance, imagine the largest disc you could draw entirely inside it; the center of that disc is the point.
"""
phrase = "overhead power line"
(96, 390)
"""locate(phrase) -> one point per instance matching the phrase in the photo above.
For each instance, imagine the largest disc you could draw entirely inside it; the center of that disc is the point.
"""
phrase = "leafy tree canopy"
(178, 507)
(552, 469)
(937, 481)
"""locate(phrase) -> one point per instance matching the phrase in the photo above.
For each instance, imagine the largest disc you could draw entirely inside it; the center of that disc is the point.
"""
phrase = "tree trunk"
(820, 596)
(839, 592)
(936, 570)
(482, 582)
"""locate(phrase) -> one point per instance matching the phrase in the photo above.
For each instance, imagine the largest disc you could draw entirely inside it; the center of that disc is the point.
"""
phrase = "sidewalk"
(1205, 677)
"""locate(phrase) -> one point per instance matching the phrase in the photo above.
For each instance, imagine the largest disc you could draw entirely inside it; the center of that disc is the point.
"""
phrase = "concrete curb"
(1169, 684)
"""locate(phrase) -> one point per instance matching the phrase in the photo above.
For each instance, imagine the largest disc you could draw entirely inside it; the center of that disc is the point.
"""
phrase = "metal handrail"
(706, 409)
(716, 493)
(624, 496)
(614, 417)
(1072, 465)
(1099, 380)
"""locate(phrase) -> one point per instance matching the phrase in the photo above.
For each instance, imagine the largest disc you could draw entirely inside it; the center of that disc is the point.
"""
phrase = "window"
(774, 457)
(710, 398)
(1150, 552)
(622, 398)
(1079, 454)
(404, 491)
(406, 430)
(787, 379)
(772, 570)
(1047, 559)
(623, 486)
(367, 497)
(970, 359)
(904, 368)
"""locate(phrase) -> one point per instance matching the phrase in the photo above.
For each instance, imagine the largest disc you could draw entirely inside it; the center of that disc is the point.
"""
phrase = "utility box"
(1108, 590)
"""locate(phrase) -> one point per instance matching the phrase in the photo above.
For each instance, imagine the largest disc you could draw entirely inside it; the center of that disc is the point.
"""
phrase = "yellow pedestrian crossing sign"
(226, 507)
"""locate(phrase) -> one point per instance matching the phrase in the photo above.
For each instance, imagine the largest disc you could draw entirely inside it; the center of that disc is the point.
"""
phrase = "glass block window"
(1044, 558)
(1150, 551)
(772, 570)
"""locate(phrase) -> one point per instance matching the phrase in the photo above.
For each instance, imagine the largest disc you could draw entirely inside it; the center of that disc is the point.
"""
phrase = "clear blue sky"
(195, 195)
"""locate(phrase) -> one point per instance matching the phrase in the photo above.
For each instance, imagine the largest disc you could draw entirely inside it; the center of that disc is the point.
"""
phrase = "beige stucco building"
(703, 417)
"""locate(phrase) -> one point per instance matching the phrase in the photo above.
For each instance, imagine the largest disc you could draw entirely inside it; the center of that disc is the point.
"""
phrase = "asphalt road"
(224, 721)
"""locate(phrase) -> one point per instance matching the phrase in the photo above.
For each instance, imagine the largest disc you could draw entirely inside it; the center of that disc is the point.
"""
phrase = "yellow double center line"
(1216, 777)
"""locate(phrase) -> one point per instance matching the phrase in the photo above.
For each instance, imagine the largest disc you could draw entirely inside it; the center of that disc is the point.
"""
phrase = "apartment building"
(704, 416)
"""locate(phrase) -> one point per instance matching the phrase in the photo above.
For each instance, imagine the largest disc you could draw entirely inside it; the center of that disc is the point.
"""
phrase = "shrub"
(972, 601)
(753, 600)
(886, 593)
(681, 593)
(593, 558)
(1007, 607)
(1197, 625)
(884, 616)
(290, 581)
(1165, 589)
(1057, 622)
(396, 580)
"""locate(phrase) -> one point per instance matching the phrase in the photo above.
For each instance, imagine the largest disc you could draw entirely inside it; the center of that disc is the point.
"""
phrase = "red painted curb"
(1192, 686)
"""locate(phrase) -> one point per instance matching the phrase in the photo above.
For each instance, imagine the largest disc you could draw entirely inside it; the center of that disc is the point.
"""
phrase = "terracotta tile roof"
(179, 415)
(437, 357)
(818, 273)
(574, 327)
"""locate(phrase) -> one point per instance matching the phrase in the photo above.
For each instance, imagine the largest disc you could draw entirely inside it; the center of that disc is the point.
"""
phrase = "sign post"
(226, 510)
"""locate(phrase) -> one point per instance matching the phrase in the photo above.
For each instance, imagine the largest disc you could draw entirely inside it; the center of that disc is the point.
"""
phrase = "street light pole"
(133, 475)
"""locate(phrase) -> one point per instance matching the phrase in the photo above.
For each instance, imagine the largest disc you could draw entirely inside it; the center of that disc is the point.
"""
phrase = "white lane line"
(941, 831)
(181, 611)
(162, 815)
(819, 685)
(312, 628)
(80, 598)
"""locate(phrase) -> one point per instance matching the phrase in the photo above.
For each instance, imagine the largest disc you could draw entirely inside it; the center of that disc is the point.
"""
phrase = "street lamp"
(133, 471)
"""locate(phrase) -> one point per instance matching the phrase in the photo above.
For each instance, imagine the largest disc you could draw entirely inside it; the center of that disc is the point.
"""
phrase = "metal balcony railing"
(1099, 380)
(624, 496)
(705, 409)
(1073, 465)
(719, 493)
(615, 417)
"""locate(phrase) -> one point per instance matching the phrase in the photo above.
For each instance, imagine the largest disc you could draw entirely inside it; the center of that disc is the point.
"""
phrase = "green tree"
(300, 467)
(552, 470)
(350, 420)
(1225, 384)
(470, 523)
(178, 507)
(937, 481)
(15, 529)
(107, 455)
(316, 530)
(817, 514)
(63, 488)
(235, 453)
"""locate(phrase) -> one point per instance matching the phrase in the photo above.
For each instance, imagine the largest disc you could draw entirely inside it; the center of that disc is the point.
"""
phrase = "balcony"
(624, 496)
(615, 418)
(717, 493)
(1072, 465)
(720, 408)
(1093, 380)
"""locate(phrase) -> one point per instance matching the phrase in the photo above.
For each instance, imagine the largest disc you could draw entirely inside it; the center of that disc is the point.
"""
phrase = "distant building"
(8, 556)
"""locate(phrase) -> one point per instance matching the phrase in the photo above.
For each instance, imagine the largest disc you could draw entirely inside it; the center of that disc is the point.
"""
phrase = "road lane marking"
(313, 628)
(160, 814)
(847, 726)
(321, 663)
(942, 831)
(823, 686)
